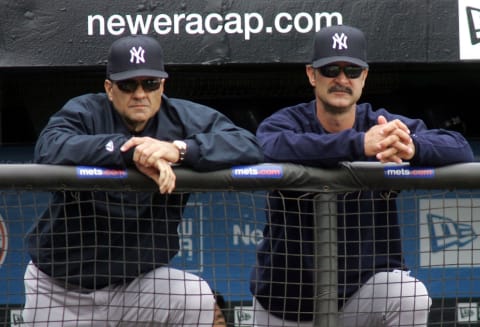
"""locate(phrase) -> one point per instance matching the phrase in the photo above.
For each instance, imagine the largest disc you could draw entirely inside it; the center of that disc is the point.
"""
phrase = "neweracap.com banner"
(58, 33)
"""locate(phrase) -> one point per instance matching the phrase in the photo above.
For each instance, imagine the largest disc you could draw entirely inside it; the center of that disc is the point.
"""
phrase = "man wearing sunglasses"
(101, 258)
(374, 285)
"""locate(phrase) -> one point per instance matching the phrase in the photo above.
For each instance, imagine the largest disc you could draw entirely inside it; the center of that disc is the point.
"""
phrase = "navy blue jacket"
(93, 239)
(369, 239)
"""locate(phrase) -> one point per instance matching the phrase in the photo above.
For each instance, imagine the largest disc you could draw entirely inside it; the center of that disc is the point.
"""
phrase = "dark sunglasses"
(131, 85)
(334, 70)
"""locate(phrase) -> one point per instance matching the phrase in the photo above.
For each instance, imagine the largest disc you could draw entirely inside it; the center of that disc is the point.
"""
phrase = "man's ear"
(108, 85)
(365, 74)
(310, 71)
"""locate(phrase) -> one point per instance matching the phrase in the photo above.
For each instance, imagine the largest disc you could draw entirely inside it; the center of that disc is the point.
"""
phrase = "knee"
(190, 292)
(193, 302)
(413, 295)
(402, 290)
(200, 297)
(418, 298)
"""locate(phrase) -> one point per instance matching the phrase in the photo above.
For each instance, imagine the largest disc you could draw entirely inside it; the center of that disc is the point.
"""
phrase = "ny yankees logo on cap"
(135, 56)
(339, 43)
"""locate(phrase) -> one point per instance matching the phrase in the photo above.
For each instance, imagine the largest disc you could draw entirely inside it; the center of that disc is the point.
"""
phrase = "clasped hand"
(389, 141)
(153, 158)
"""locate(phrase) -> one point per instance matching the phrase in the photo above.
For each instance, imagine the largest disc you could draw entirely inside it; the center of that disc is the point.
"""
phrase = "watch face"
(182, 149)
(180, 145)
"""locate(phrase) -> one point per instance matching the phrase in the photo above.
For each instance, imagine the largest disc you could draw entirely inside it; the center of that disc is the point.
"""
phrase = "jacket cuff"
(193, 152)
(128, 157)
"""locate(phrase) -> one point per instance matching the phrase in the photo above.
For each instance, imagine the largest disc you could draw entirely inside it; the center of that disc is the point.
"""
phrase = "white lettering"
(194, 24)
(233, 24)
(162, 24)
(209, 25)
(139, 23)
(246, 236)
(297, 22)
(187, 227)
(248, 24)
(116, 25)
(278, 25)
(249, 28)
(326, 19)
(186, 248)
(177, 20)
(91, 22)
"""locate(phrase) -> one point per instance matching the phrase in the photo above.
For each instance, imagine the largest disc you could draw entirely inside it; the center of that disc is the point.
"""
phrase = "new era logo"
(473, 18)
(445, 232)
(469, 29)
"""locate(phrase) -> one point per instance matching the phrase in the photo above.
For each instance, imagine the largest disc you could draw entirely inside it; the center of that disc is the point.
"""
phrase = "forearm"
(324, 150)
(64, 149)
(441, 147)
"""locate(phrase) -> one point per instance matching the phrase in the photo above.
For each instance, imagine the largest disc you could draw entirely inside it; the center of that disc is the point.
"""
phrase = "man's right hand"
(389, 141)
(153, 158)
(162, 174)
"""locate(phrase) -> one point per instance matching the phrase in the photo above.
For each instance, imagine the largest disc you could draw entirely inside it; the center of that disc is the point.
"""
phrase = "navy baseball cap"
(135, 56)
(339, 43)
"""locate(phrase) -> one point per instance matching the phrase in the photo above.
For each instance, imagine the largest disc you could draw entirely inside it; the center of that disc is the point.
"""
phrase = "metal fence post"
(325, 252)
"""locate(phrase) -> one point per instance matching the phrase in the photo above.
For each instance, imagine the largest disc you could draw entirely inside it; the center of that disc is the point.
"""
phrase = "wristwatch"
(182, 149)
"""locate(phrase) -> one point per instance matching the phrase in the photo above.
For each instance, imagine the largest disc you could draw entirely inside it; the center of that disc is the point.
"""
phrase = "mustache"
(339, 88)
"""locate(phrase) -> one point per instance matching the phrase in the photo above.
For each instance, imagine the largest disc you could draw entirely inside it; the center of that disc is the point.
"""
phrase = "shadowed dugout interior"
(441, 94)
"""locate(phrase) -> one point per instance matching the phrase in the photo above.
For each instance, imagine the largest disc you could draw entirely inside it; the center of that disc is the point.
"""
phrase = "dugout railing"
(439, 210)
